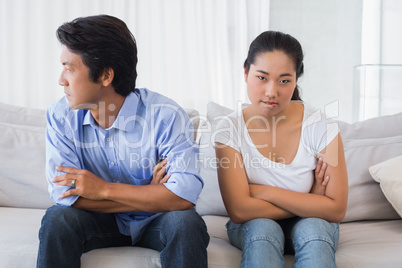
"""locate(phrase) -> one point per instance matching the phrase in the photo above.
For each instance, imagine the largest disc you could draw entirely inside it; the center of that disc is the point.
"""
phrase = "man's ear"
(107, 77)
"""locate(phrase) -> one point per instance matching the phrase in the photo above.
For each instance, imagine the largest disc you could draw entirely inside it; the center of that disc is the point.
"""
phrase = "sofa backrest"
(366, 143)
(22, 158)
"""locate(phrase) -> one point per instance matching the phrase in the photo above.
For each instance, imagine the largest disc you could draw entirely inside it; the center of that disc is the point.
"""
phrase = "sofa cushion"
(19, 236)
(210, 200)
(378, 127)
(194, 116)
(19, 244)
(367, 143)
(22, 157)
(22, 116)
(121, 257)
(22, 167)
(389, 175)
(370, 244)
(366, 200)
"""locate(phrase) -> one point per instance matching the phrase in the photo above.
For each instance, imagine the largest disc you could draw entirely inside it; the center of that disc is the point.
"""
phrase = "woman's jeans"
(180, 236)
(263, 242)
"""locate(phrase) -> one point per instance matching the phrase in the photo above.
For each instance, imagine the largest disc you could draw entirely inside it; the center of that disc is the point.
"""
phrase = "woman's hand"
(159, 173)
(320, 180)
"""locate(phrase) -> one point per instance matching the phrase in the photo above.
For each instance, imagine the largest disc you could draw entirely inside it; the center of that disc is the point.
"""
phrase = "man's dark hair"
(103, 42)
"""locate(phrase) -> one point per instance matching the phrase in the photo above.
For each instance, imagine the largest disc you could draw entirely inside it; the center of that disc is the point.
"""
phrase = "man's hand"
(320, 183)
(159, 172)
(86, 184)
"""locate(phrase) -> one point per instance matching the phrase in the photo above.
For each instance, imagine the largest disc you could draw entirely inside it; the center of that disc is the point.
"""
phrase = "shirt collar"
(124, 120)
(88, 119)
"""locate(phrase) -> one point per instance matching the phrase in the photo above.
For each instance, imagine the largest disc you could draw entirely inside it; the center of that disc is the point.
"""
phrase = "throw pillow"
(389, 175)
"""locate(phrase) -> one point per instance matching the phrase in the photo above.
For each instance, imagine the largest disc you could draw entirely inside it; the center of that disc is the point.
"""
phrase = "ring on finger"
(73, 183)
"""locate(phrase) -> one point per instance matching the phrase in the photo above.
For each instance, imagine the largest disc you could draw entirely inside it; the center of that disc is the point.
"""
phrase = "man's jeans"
(263, 242)
(180, 236)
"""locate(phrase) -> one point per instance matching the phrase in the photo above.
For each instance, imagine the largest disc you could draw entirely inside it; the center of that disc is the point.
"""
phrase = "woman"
(267, 155)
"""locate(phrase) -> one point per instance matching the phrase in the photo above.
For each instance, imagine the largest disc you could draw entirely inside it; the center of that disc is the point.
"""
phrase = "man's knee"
(59, 218)
(55, 214)
(184, 219)
(185, 224)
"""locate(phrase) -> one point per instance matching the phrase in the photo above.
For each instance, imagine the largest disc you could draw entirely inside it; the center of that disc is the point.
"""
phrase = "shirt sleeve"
(60, 151)
(331, 131)
(175, 142)
(227, 131)
(318, 132)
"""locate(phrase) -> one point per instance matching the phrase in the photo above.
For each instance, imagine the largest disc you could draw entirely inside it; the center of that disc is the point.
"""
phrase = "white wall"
(330, 34)
(380, 75)
(207, 65)
(391, 55)
(391, 45)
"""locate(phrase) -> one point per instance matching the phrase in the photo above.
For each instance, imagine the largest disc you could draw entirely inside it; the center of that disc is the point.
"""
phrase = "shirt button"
(109, 139)
(112, 163)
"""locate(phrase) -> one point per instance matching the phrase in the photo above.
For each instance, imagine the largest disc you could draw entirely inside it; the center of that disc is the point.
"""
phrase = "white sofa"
(370, 235)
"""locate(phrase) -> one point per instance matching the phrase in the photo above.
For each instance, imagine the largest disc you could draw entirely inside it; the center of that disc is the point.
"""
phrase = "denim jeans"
(263, 242)
(66, 233)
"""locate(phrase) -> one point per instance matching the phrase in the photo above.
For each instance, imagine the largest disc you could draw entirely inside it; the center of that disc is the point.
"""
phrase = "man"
(120, 161)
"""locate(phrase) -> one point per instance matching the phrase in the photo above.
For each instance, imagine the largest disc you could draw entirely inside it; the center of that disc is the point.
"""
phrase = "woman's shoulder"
(228, 129)
(229, 120)
(318, 128)
(314, 116)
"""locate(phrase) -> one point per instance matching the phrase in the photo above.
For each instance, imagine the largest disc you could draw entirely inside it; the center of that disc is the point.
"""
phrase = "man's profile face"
(79, 88)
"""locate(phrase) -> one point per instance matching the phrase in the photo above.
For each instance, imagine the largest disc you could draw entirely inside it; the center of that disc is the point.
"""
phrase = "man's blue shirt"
(148, 128)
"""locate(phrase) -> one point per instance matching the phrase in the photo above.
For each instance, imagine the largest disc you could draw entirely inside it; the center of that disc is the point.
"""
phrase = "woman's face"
(271, 81)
